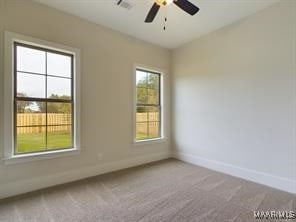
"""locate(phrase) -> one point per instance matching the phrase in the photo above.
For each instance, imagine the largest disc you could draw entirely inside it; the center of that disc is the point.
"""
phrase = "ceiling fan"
(185, 5)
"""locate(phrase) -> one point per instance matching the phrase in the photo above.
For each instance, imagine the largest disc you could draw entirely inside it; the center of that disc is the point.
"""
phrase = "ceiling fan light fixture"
(164, 2)
(168, 2)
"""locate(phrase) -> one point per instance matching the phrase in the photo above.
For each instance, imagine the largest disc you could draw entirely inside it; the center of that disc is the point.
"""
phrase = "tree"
(148, 91)
(21, 104)
(55, 107)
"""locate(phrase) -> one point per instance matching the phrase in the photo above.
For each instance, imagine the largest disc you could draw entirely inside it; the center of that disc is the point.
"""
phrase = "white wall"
(107, 59)
(234, 98)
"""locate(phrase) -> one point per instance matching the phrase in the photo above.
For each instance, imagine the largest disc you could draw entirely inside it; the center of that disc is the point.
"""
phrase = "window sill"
(149, 141)
(23, 158)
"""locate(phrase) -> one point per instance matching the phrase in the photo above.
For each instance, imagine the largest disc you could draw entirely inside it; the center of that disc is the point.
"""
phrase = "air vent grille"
(124, 4)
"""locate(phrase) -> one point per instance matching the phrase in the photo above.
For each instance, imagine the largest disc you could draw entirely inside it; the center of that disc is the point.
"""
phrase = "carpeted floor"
(168, 190)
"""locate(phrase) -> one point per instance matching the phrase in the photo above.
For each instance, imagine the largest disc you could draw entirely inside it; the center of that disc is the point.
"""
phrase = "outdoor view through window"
(148, 105)
(43, 99)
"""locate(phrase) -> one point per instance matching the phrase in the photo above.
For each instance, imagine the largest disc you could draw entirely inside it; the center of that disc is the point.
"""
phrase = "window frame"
(45, 99)
(10, 41)
(161, 106)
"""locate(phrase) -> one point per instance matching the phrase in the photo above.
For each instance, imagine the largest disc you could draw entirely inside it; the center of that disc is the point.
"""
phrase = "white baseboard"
(24, 186)
(280, 183)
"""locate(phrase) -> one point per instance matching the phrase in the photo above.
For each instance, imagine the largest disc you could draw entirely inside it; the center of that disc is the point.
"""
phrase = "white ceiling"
(181, 27)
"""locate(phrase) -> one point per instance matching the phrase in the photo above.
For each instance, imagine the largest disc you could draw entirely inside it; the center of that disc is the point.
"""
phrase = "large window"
(148, 105)
(43, 99)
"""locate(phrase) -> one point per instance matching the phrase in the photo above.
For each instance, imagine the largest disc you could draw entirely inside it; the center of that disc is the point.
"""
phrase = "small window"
(148, 105)
(43, 99)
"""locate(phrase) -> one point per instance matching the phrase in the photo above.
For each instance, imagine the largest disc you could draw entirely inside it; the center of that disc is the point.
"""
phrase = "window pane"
(153, 81)
(148, 105)
(30, 60)
(142, 114)
(42, 125)
(30, 139)
(153, 96)
(29, 85)
(59, 113)
(154, 130)
(141, 78)
(154, 113)
(58, 88)
(142, 95)
(58, 65)
(141, 131)
(30, 113)
(59, 137)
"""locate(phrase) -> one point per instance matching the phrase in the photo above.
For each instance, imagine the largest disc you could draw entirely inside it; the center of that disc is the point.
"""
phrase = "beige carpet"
(168, 190)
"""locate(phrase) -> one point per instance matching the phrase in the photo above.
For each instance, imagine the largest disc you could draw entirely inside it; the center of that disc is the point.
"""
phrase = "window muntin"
(43, 99)
(148, 105)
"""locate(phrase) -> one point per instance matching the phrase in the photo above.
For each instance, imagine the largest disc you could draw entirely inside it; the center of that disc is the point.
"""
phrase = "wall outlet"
(100, 156)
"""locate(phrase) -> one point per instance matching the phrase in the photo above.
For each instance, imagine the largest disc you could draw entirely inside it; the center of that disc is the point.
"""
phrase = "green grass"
(34, 142)
(143, 136)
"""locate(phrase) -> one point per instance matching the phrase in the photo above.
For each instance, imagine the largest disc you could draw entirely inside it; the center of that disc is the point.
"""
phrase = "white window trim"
(163, 106)
(9, 157)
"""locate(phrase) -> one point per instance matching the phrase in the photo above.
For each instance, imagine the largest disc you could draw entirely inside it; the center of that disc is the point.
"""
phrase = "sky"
(37, 68)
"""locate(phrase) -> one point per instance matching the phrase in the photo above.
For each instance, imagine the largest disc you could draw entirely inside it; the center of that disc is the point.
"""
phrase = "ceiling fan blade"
(187, 6)
(152, 13)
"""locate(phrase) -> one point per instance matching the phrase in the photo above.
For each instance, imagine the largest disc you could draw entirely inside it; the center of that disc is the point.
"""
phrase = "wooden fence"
(37, 122)
(152, 127)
